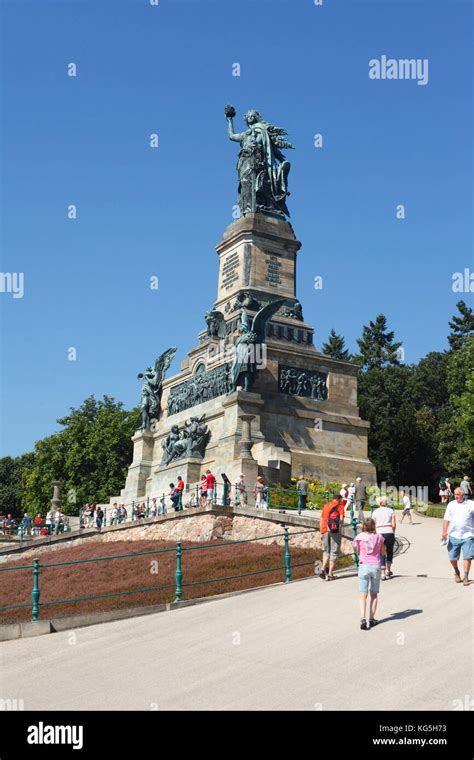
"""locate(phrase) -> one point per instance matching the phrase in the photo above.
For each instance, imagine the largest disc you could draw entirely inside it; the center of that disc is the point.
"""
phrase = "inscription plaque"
(273, 270)
(230, 273)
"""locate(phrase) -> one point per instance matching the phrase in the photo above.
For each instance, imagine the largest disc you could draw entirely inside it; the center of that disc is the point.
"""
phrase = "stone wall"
(205, 528)
(198, 528)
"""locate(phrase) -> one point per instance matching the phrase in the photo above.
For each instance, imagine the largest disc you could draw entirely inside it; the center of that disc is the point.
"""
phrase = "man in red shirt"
(180, 489)
(210, 482)
(330, 526)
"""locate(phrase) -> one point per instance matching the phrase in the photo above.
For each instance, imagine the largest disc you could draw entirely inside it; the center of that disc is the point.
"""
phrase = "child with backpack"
(330, 526)
(370, 546)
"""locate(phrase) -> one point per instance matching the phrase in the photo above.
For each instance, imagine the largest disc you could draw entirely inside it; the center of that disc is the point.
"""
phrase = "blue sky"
(144, 212)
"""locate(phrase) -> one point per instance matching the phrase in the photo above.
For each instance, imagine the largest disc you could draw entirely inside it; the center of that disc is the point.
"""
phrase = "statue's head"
(175, 429)
(252, 117)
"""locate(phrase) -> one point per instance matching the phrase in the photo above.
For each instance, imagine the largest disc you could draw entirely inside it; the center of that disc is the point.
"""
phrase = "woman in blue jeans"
(370, 546)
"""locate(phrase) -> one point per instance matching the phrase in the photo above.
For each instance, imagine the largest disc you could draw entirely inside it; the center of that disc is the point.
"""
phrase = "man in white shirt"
(406, 508)
(458, 529)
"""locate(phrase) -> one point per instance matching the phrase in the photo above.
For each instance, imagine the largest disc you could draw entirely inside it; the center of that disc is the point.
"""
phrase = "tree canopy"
(335, 347)
(89, 456)
(462, 326)
(377, 347)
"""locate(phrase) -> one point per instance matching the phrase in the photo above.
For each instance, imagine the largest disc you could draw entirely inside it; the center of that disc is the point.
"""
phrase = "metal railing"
(196, 496)
(178, 584)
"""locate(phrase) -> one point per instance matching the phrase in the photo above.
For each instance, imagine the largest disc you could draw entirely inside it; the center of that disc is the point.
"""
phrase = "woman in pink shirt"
(370, 546)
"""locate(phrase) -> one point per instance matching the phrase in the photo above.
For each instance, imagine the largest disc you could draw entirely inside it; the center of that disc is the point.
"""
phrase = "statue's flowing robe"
(270, 153)
(243, 359)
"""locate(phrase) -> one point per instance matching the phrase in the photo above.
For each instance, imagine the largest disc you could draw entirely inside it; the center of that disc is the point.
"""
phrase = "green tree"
(11, 472)
(377, 346)
(89, 456)
(461, 326)
(385, 402)
(428, 384)
(405, 406)
(335, 347)
(456, 434)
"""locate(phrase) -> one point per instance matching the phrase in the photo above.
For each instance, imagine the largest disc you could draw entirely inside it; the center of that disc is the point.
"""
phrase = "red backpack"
(334, 519)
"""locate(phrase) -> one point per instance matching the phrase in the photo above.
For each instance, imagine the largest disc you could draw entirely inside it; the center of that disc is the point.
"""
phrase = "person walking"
(302, 488)
(99, 517)
(443, 491)
(26, 523)
(458, 532)
(174, 497)
(259, 493)
(351, 495)
(58, 521)
(37, 524)
(369, 546)
(202, 492)
(465, 486)
(115, 514)
(180, 489)
(406, 507)
(210, 484)
(449, 489)
(330, 527)
(360, 497)
(240, 491)
(385, 525)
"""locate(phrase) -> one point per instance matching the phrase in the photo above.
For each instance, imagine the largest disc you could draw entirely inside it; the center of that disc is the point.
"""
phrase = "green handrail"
(131, 506)
(354, 528)
(179, 573)
(178, 585)
(287, 557)
(35, 594)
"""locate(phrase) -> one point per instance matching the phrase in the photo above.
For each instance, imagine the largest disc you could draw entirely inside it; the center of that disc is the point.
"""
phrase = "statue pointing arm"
(235, 136)
(261, 166)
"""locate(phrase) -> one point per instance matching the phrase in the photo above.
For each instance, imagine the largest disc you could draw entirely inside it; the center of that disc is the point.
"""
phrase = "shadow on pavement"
(400, 615)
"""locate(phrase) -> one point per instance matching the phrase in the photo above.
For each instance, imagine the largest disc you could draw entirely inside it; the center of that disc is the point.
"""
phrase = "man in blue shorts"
(458, 529)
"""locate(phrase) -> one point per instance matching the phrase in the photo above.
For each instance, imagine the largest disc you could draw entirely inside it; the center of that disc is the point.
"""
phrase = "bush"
(318, 494)
(432, 510)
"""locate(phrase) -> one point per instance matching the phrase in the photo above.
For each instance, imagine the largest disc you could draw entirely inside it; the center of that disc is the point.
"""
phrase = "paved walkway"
(287, 647)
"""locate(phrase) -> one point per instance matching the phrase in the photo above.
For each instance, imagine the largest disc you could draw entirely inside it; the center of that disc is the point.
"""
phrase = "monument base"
(301, 415)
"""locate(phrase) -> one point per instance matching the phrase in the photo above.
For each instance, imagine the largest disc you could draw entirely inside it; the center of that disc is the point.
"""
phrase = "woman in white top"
(385, 523)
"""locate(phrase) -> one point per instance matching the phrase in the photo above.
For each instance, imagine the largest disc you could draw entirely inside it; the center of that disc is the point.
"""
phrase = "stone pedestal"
(140, 469)
(301, 416)
(257, 264)
(189, 468)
